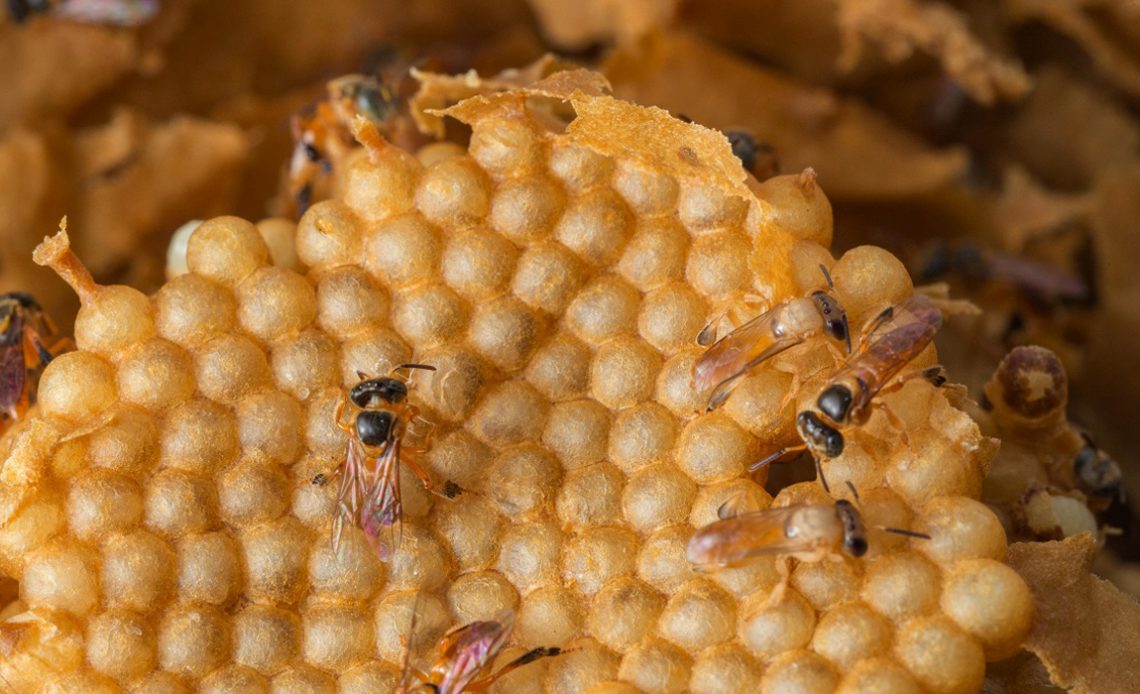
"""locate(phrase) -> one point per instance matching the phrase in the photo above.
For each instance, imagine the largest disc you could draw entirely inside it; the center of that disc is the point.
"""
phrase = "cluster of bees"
(377, 415)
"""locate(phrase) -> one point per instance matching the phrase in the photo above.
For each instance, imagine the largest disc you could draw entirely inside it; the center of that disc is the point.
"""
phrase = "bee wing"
(13, 376)
(739, 351)
(732, 541)
(384, 510)
(472, 649)
(353, 490)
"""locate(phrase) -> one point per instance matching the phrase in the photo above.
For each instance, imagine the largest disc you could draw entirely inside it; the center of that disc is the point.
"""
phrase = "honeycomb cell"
(265, 638)
(460, 457)
(373, 351)
(560, 369)
(524, 210)
(128, 444)
(797, 206)
(393, 617)
(988, 600)
(704, 207)
(547, 277)
(580, 169)
(115, 319)
(429, 315)
(940, 656)
(849, 633)
(525, 479)
(328, 235)
(697, 616)
(530, 554)
(878, 676)
(190, 310)
(613, 688)
(959, 528)
(252, 493)
(577, 432)
(305, 364)
(335, 637)
(757, 405)
(506, 147)
(661, 562)
(725, 669)
(596, 556)
(674, 387)
(710, 499)
(302, 680)
(512, 412)
(382, 184)
(798, 671)
(120, 644)
(275, 302)
(550, 616)
(61, 577)
(177, 503)
(714, 449)
(192, 640)
(657, 496)
(671, 317)
(80, 683)
(103, 503)
(76, 386)
(420, 562)
(478, 264)
(156, 376)
(827, 583)
(138, 571)
(230, 366)
(349, 301)
(269, 426)
(234, 679)
(587, 664)
(209, 570)
(369, 678)
(275, 556)
(595, 225)
(641, 435)
(623, 372)
(769, 630)
(199, 437)
(867, 280)
(603, 309)
(403, 251)
(480, 596)
(505, 332)
(655, 255)
(470, 529)
(454, 192)
(656, 666)
(226, 250)
(718, 263)
(591, 495)
(623, 612)
(901, 585)
(323, 438)
(647, 192)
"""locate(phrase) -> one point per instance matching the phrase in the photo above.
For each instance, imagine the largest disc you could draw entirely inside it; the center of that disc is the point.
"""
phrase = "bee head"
(835, 402)
(821, 438)
(834, 317)
(854, 532)
(377, 392)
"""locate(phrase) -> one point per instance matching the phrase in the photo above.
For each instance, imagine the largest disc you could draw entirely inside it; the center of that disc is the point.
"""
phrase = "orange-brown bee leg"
(338, 417)
(482, 685)
(449, 490)
(777, 594)
(896, 423)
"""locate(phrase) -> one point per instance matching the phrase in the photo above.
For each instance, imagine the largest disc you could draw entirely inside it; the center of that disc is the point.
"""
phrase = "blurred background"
(989, 144)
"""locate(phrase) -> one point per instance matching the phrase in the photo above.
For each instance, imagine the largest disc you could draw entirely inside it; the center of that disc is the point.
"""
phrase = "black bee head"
(24, 300)
(834, 317)
(374, 427)
(1097, 473)
(835, 402)
(743, 146)
(854, 533)
(377, 392)
(823, 439)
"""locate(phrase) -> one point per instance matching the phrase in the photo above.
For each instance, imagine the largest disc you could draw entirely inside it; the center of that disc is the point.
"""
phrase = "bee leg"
(449, 490)
(481, 685)
(777, 594)
(338, 417)
(896, 423)
(793, 388)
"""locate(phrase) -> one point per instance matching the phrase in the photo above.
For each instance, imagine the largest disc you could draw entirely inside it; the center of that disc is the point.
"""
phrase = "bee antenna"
(361, 375)
(826, 276)
(1088, 439)
(823, 478)
(407, 673)
(768, 459)
(854, 491)
(907, 533)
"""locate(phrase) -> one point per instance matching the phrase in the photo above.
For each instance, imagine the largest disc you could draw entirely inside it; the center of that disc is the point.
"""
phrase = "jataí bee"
(23, 329)
(369, 492)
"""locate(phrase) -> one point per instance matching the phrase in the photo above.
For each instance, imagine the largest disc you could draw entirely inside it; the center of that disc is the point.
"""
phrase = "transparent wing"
(733, 540)
(381, 517)
(470, 651)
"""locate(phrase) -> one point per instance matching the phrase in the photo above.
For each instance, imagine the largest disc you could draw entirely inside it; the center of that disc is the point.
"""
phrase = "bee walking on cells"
(466, 655)
(369, 493)
(806, 532)
(890, 342)
(782, 327)
(23, 328)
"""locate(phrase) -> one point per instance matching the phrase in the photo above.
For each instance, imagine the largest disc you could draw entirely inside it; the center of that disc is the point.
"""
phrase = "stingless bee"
(23, 328)
(806, 532)
(369, 493)
(466, 655)
(1097, 473)
(890, 341)
(326, 134)
(784, 326)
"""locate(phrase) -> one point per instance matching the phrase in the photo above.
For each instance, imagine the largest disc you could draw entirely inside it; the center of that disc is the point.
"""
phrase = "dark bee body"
(1097, 473)
(23, 327)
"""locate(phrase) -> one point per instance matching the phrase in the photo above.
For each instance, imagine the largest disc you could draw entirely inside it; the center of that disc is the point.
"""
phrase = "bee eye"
(834, 444)
(857, 546)
(835, 402)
